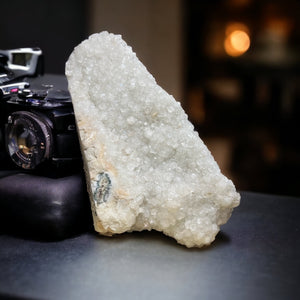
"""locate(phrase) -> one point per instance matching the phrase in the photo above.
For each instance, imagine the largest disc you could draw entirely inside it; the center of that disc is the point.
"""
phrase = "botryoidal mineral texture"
(146, 167)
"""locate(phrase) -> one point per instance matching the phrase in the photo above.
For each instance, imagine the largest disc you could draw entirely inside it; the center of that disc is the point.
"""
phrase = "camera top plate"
(46, 98)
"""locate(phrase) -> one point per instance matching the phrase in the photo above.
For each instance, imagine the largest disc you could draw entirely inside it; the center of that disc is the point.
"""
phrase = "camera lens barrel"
(29, 139)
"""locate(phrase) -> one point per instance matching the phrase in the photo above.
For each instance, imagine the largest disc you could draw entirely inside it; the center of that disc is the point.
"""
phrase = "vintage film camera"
(38, 130)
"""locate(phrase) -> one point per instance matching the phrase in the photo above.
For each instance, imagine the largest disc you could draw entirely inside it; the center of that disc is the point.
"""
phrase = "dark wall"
(56, 26)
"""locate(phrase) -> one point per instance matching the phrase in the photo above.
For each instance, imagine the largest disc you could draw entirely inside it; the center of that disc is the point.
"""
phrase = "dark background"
(56, 26)
(249, 102)
(245, 108)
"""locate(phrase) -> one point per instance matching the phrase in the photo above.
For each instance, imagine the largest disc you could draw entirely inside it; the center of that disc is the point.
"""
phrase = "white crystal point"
(146, 167)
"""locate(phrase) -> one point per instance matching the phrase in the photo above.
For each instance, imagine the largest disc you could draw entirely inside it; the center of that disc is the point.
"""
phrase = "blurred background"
(233, 64)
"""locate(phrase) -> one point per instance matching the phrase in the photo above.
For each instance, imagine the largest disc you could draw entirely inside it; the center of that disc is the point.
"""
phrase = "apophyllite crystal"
(146, 167)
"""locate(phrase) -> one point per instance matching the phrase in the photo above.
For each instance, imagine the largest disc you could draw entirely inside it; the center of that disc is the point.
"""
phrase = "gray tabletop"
(255, 256)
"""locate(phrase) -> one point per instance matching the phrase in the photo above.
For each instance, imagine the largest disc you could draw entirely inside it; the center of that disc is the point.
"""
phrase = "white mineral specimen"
(146, 167)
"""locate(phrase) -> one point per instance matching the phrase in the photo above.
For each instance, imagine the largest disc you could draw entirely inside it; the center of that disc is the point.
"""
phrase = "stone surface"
(146, 167)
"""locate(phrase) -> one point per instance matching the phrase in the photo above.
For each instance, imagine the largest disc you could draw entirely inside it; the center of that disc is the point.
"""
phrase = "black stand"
(43, 208)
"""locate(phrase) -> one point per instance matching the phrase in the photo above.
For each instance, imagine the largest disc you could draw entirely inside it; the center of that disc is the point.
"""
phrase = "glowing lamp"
(237, 40)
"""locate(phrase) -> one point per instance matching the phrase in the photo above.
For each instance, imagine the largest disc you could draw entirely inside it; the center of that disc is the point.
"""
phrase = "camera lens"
(28, 139)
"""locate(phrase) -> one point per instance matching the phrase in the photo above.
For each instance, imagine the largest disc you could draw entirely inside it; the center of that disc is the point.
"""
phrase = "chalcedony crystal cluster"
(146, 167)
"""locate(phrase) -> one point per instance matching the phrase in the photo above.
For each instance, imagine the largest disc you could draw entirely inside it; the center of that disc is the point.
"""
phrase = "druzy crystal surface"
(146, 167)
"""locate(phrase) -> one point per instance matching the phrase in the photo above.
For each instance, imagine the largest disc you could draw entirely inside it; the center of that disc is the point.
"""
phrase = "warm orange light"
(237, 40)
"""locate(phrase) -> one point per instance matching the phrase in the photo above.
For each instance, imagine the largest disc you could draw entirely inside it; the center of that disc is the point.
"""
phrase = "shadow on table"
(156, 237)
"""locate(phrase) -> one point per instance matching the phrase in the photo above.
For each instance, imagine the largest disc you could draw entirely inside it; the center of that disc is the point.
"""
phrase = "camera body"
(37, 125)
(39, 129)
